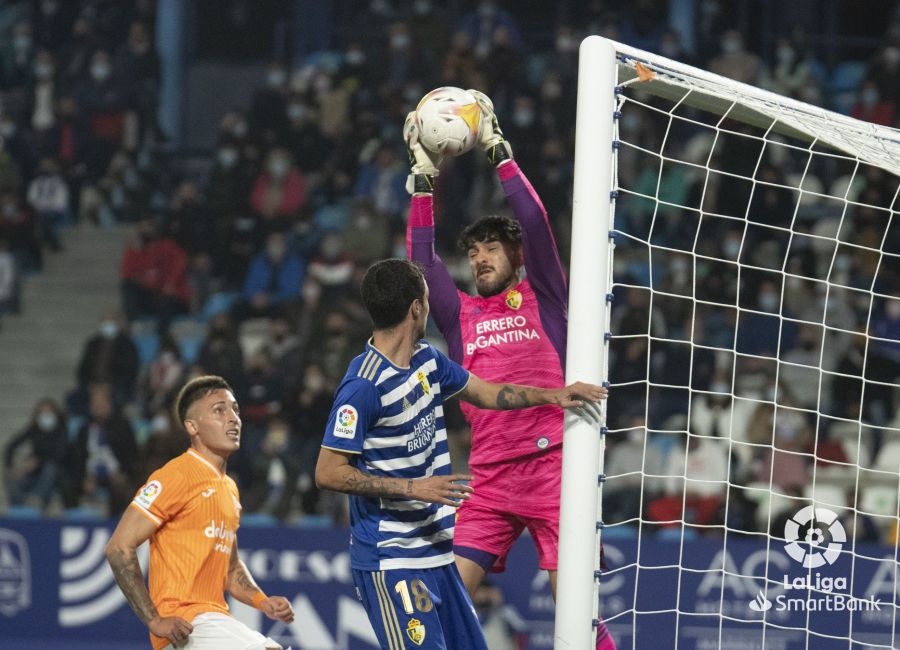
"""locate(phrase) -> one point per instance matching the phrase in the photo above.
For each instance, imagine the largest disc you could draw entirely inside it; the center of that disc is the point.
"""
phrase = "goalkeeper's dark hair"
(505, 230)
(195, 390)
(388, 289)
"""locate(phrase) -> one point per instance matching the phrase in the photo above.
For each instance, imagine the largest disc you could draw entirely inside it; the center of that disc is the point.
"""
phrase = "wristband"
(499, 153)
(420, 184)
(258, 598)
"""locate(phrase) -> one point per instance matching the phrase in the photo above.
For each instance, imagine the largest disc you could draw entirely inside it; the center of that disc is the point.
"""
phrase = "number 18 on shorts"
(419, 608)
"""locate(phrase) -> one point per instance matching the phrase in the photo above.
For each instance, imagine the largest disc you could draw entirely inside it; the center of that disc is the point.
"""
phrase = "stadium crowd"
(264, 250)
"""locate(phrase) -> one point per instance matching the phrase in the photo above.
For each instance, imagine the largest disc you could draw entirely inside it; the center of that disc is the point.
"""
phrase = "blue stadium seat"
(258, 520)
(218, 303)
(313, 522)
(619, 532)
(82, 513)
(23, 512)
(147, 345)
(189, 346)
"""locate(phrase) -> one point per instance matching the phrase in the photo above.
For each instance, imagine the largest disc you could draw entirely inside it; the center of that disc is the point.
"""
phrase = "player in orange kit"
(190, 511)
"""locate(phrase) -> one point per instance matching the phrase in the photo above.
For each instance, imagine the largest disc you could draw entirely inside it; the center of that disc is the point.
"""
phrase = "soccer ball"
(449, 119)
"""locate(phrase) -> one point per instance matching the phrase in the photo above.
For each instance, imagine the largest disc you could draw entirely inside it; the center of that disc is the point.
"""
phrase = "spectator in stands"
(154, 276)
(164, 377)
(102, 459)
(367, 237)
(221, 352)
(109, 357)
(19, 226)
(383, 181)
(284, 350)
(274, 474)
(482, 23)
(331, 272)
(18, 58)
(48, 195)
(33, 460)
(103, 97)
(164, 442)
(273, 281)
(268, 115)
(9, 280)
(279, 192)
(42, 102)
(193, 227)
(870, 106)
(734, 61)
(629, 457)
(307, 412)
(790, 70)
(139, 64)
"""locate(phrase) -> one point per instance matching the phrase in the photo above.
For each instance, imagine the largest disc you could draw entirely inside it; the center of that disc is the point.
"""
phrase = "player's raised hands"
(278, 608)
(421, 161)
(490, 137)
(173, 628)
(442, 489)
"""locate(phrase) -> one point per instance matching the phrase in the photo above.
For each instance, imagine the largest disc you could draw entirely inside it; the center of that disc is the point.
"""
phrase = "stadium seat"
(879, 500)
(189, 346)
(258, 520)
(83, 513)
(313, 522)
(889, 457)
(619, 531)
(828, 495)
(218, 303)
(23, 512)
(147, 345)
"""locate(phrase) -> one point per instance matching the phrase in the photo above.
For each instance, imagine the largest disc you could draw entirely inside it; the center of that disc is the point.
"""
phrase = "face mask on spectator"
(47, 420)
(523, 117)
(43, 70)
(109, 329)
(296, 111)
(400, 41)
(892, 56)
(669, 49)
(785, 54)
(731, 248)
(279, 167)
(10, 210)
(159, 424)
(422, 7)
(893, 309)
(487, 9)
(731, 46)
(239, 130)
(566, 44)
(719, 387)
(869, 97)
(355, 57)
(49, 7)
(227, 157)
(276, 249)
(21, 42)
(276, 78)
(768, 301)
(100, 71)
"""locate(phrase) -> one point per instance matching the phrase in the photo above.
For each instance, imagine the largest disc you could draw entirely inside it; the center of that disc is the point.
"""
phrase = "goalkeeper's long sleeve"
(444, 299)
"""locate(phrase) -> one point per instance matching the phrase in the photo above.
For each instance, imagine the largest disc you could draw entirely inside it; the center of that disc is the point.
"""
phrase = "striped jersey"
(392, 420)
(197, 512)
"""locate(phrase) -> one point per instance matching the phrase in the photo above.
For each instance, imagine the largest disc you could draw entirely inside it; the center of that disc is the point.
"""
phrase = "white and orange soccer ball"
(449, 119)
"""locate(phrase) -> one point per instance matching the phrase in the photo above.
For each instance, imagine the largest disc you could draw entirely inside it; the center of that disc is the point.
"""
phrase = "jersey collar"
(197, 456)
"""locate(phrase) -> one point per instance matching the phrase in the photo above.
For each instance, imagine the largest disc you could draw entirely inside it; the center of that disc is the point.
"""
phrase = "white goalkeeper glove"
(490, 137)
(423, 164)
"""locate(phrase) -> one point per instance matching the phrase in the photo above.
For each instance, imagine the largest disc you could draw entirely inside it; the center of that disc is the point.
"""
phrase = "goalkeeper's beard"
(487, 287)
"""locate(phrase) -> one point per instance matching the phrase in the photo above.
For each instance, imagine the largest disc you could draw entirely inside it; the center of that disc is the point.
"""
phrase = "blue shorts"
(420, 608)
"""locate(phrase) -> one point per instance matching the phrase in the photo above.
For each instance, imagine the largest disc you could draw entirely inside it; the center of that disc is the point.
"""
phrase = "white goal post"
(776, 126)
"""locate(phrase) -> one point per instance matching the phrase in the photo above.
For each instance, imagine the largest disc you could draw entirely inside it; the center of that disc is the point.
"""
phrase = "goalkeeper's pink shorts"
(509, 497)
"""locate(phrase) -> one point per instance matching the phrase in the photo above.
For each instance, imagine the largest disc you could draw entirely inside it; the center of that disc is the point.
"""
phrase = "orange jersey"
(197, 510)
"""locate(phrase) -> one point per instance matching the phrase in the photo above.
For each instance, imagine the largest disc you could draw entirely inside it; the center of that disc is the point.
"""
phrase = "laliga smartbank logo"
(814, 538)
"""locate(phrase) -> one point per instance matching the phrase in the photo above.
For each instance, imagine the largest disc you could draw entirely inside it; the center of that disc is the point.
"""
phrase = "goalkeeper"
(514, 330)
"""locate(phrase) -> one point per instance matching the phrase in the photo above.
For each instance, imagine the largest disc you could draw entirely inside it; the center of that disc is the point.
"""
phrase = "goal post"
(586, 351)
(759, 240)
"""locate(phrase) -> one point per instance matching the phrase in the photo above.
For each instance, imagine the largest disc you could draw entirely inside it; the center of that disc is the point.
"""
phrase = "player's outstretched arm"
(334, 472)
(579, 396)
(121, 552)
(243, 587)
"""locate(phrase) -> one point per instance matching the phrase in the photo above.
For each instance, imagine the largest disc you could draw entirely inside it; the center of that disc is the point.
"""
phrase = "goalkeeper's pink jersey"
(518, 336)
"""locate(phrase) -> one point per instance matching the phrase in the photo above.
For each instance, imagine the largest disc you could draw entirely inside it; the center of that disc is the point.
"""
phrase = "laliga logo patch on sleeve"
(148, 493)
(345, 422)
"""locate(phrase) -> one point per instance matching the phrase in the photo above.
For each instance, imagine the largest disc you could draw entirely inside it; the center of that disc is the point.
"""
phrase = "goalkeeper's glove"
(490, 137)
(423, 164)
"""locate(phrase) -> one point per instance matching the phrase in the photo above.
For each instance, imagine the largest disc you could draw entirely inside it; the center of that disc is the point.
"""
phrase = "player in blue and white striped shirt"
(386, 446)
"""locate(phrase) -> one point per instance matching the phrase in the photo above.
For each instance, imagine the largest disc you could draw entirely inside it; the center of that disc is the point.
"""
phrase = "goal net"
(749, 469)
